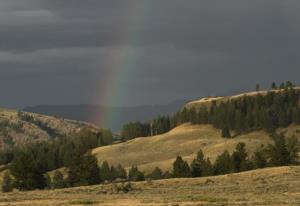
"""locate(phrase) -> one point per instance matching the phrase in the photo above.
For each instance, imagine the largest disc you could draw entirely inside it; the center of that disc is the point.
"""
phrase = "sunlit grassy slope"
(185, 140)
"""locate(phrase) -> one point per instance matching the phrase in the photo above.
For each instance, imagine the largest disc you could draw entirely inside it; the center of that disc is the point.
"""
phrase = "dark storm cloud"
(51, 50)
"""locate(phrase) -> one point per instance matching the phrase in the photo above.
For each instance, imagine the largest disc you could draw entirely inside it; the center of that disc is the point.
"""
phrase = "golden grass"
(270, 186)
(185, 140)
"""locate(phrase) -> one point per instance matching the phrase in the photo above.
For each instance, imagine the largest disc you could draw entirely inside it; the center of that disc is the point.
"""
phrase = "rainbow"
(120, 63)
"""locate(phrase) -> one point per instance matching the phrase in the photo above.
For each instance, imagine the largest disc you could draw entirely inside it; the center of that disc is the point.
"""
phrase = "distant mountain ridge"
(21, 128)
(92, 113)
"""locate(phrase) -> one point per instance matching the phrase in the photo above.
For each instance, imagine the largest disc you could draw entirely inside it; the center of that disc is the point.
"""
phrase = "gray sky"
(57, 51)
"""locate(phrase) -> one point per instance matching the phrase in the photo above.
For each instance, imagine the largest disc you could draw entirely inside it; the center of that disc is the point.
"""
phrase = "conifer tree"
(283, 152)
(105, 173)
(240, 158)
(135, 175)
(181, 168)
(198, 164)
(121, 172)
(28, 171)
(226, 132)
(274, 85)
(83, 171)
(223, 164)
(259, 159)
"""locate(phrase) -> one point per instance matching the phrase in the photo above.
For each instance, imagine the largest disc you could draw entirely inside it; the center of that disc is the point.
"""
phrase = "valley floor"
(271, 186)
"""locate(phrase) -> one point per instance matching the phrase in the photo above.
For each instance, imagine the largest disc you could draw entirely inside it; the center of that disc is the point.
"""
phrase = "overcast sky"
(58, 51)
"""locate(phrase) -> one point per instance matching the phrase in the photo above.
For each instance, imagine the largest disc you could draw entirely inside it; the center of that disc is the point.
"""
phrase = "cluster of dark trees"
(29, 172)
(29, 168)
(282, 153)
(235, 116)
(58, 152)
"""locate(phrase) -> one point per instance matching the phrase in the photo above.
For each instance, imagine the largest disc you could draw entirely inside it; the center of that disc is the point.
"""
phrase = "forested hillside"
(266, 110)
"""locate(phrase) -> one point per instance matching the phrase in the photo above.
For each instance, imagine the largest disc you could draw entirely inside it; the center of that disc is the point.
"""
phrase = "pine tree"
(7, 183)
(105, 173)
(259, 159)
(207, 168)
(28, 171)
(83, 171)
(226, 132)
(135, 174)
(197, 165)
(58, 180)
(121, 172)
(181, 168)
(223, 164)
(274, 86)
(240, 158)
(283, 152)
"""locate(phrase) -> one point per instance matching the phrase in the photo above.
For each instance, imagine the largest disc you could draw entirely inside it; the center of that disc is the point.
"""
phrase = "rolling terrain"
(19, 128)
(271, 186)
(185, 140)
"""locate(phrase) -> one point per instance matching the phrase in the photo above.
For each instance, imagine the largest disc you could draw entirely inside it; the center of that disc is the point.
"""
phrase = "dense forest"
(278, 108)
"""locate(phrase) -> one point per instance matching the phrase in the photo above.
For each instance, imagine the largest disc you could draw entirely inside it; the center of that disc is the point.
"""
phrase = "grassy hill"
(206, 101)
(22, 128)
(185, 140)
(270, 186)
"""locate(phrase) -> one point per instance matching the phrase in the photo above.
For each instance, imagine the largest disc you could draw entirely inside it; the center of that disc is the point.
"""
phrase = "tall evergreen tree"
(181, 168)
(105, 173)
(121, 172)
(135, 175)
(283, 151)
(223, 164)
(84, 171)
(198, 164)
(28, 171)
(240, 158)
(259, 159)
(226, 132)
(274, 85)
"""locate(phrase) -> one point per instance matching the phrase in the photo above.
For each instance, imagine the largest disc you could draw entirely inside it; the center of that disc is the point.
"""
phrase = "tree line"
(58, 152)
(283, 152)
(29, 170)
(235, 116)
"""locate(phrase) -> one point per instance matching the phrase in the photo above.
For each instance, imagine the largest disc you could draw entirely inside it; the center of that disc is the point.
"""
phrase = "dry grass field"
(186, 140)
(270, 186)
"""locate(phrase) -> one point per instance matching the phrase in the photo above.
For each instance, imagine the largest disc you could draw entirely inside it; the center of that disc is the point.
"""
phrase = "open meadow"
(271, 186)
